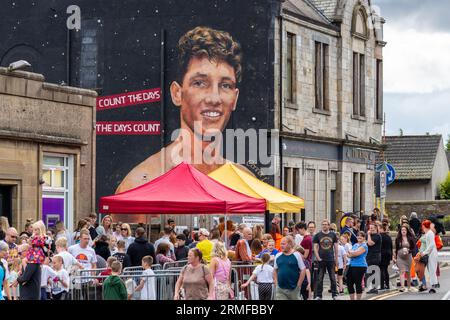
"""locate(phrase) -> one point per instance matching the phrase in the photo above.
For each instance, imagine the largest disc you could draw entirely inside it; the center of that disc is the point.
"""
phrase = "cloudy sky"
(416, 66)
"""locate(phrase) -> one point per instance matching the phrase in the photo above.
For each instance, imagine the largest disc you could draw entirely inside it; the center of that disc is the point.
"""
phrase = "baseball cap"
(204, 232)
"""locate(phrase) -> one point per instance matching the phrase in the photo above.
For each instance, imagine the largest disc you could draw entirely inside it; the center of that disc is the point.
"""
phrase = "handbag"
(424, 259)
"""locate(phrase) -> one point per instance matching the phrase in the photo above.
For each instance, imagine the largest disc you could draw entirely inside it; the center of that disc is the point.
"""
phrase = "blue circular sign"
(390, 172)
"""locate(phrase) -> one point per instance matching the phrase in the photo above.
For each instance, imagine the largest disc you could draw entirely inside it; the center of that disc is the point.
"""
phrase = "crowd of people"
(287, 264)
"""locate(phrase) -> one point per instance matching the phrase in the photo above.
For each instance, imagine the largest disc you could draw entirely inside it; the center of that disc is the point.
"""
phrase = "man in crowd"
(166, 239)
(171, 223)
(415, 224)
(243, 251)
(205, 245)
(92, 227)
(289, 271)
(11, 239)
(306, 242)
(348, 229)
(314, 266)
(85, 256)
(326, 253)
(140, 248)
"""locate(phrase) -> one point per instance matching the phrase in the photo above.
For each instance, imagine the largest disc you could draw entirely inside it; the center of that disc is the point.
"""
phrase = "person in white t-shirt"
(263, 274)
(47, 273)
(70, 264)
(342, 263)
(147, 286)
(60, 283)
(84, 254)
(298, 237)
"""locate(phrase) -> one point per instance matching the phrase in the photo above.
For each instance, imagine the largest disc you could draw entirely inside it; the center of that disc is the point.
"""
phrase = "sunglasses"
(124, 229)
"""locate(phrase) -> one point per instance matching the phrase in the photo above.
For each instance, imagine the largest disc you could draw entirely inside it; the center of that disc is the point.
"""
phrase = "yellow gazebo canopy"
(237, 179)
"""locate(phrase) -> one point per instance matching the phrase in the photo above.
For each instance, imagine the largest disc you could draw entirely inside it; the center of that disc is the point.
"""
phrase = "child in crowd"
(270, 250)
(47, 273)
(181, 250)
(263, 274)
(342, 263)
(121, 256)
(108, 270)
(60, 283)
(13, 275)
(113, 245)
(113, 287)
(70, 264)
(147, 286)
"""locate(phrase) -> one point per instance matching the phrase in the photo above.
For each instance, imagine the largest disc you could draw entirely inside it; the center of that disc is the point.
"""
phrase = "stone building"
(47, 150)
(332, 107)
(420, 164)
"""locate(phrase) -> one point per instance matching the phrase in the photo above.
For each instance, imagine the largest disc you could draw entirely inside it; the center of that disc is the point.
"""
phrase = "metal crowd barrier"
(240, 273)
(139, 269)
(162, 285)
(87, 284)
(175, 264)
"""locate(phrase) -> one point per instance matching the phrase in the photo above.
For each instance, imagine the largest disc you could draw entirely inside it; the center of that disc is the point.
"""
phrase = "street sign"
(390, 172)
(380, 184)
(383, 184)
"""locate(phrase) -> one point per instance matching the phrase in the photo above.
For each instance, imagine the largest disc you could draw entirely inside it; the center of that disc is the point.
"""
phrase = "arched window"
(360, 27)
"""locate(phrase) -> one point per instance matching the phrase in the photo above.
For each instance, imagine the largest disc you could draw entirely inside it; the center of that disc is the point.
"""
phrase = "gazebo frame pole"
(225, 231)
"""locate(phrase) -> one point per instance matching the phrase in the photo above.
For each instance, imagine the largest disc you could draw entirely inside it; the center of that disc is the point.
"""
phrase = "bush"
(446, 223)
(444, 190)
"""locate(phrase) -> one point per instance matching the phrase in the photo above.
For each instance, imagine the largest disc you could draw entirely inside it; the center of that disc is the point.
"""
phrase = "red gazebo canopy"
(182, 190)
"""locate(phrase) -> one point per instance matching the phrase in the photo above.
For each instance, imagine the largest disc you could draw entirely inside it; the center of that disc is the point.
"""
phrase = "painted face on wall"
(207, 95)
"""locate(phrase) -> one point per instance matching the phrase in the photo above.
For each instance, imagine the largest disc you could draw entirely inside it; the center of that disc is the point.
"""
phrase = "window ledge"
(377, 121)
(291, 105)
(320, 111)
(359, 118)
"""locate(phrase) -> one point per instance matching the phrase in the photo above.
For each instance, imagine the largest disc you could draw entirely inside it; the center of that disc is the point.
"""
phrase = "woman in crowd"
(118, 231)
(125, 233)
(106, 226)
(420, 262)
(257, 232)
(265, 240)
(195, 279)
(430, 252)
(229, 232)
(163, 254)
(215, 235)
(61, 231)
(256, 248)
(75, 238)
(102, 247)
(386, 255)
(220, 268)
(3, 274)
(4, 226)
(358, 267)
(404, 246)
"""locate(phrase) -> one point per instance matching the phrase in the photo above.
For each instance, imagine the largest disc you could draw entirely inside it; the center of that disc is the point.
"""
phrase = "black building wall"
(118, 49)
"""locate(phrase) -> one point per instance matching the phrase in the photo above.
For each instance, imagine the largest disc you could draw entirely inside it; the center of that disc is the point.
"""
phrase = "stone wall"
(38, 118)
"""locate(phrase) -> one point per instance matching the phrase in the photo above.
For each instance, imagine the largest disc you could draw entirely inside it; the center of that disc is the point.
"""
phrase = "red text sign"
(128, 128)
(128, 99)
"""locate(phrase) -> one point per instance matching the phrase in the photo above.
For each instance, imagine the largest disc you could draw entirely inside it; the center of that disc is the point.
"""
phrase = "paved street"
(442, 294)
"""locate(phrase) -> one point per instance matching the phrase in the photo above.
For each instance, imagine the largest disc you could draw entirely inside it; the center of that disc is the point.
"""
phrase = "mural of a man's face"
(208, 94)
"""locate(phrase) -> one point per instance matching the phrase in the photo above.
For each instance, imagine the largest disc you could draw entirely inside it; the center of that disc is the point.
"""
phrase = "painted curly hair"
(216, 45)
